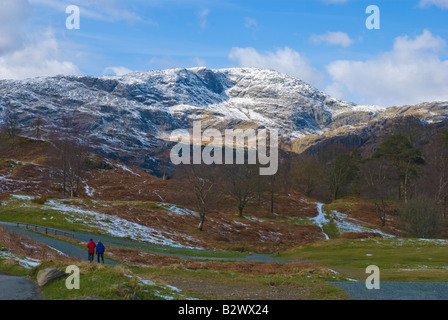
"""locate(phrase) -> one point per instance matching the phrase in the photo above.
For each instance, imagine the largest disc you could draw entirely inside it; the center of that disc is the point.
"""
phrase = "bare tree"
(69, 157)
(435, 172)
(11, 124)
(76, 165)
(3, 145)
(203, 181)
(37, 127)
(241, 184)
(343, 171)
(377, 179)
(271, 184)
(307, 174)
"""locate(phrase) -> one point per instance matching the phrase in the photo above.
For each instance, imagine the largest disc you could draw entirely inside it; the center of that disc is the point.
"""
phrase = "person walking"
(91, 246)
(100, 251)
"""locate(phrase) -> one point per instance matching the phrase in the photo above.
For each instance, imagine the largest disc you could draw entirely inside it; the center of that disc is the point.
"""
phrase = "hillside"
(136, 197)
(122, 115)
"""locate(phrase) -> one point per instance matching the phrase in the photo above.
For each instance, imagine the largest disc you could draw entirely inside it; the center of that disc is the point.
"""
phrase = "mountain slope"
(127, 114)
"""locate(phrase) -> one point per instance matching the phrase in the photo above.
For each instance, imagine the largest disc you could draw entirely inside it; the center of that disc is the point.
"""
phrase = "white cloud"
(13, 14)
(36, 58)
(251, 24)
(199, 62)
(203, 14)
(118, 71)
(333, 38)
(442, 4)
(412, 72)
(25, 54)
(284, 60)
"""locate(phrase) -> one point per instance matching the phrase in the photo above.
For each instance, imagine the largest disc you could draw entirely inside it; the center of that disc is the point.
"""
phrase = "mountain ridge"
(137, 111)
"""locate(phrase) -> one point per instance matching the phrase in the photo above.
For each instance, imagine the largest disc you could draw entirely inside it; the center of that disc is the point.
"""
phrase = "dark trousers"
(91, 257)
(100, 255)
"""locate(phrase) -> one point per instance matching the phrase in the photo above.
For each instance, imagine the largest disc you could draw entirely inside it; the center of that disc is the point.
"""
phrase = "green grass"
(105, 282)
(6, 163)
(304, 221)
(309, 287)
(330, 228)
(343, 204)
(196, 253)
(8, 266)
(32, 212)
(136, 204)
(96, 280)
(426, 260)
(125, 283)
(28, 211)
(349, 203)
(18, 210)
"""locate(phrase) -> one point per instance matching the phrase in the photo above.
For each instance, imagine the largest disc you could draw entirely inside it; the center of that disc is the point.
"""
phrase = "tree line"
(68, 152)
(402, 176)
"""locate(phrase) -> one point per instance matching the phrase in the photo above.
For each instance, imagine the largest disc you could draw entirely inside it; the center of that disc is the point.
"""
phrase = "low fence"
(45, 229)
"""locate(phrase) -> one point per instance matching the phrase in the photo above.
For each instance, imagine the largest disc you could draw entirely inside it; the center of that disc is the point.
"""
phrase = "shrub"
(58, 188)
(331, 229)
(40, 200)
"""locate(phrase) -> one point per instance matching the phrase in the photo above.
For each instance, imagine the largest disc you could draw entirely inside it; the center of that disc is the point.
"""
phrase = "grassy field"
(104, 282)
(214, 284)
(176, 282)
(398, 259)
(26, 211)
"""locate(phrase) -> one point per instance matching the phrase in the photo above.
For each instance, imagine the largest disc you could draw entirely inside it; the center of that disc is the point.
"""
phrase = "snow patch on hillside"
(343, 222)
(118, 227)
(26, 262)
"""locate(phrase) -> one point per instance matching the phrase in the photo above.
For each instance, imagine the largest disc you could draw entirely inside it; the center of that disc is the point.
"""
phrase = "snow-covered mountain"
(126, 114)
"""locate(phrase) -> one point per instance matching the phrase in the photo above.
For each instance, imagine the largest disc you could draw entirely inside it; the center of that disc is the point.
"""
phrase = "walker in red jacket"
(91, 245)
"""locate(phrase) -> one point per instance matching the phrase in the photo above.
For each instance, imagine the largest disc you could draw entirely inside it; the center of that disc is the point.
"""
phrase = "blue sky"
(323, 42)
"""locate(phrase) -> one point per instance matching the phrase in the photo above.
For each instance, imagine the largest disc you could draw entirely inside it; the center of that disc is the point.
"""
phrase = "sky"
(326, 43)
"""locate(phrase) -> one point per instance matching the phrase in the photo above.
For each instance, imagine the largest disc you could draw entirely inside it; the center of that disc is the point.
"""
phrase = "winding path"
(396, 290)
(75, 251)
(17, 288)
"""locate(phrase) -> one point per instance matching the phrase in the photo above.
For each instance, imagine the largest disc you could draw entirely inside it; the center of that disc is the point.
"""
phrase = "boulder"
(46, 276)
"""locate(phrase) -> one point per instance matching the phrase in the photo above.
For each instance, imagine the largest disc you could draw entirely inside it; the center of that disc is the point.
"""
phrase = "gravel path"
(77, 252)
(396, 290)
(65, 247)
(17, 288)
